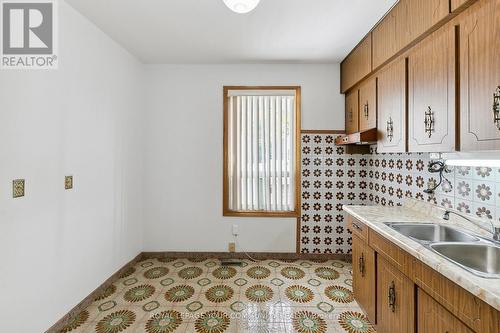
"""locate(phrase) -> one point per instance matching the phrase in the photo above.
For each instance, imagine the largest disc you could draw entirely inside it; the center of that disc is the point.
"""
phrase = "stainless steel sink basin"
(432, 232)
(480, 259)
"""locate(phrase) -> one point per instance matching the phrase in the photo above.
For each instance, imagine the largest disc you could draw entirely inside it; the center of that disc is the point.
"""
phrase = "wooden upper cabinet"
(390, 35)
(368, 105)
(395, 299)
(357, 65)
(432, 317)
(407, 21)
(431, 93)
(480, 77)
(351, 112)
(391, 108)
(423, 15)
(363, 276)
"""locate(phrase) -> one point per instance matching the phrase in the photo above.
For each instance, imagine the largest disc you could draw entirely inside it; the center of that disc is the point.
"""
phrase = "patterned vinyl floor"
(198, 295)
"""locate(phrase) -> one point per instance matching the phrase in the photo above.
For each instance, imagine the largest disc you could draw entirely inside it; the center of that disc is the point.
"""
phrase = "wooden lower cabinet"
(395, 300)
(363, 271)
(433, 318)
(400, 294)
(455, 4)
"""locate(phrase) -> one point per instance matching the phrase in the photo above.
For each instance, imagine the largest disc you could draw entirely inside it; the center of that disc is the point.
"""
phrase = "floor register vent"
(231, 262)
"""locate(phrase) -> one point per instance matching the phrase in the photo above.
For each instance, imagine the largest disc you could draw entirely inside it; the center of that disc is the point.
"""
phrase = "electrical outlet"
(18, 188)
(232, 247)
(235, 230)
(68, 182)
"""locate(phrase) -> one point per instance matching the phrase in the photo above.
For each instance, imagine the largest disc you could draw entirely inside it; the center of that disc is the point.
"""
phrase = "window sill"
(233, 213)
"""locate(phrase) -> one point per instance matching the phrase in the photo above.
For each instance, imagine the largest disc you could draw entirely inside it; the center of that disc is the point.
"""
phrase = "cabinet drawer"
(392, 253)
(469, 309)
(358, 228)
(432, 317)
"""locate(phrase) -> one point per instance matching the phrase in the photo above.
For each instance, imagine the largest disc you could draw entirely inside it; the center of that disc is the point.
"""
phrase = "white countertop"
(414, 211)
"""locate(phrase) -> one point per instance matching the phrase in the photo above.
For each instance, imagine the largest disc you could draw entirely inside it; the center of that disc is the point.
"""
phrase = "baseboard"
(255, 255)
(58, 326)
(168, 254)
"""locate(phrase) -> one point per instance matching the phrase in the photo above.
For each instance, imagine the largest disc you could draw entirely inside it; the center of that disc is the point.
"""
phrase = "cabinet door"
(391, 34)
(432, 317)
(424, 14)
(363, 276)
(351, 112)
(395, 300)
(431, 89)
(455, 4)
(391, 108)
(357, 65)
(368, 105)
(480, 77)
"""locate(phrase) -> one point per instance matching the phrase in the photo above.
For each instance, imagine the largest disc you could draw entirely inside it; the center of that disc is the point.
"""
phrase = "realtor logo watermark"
(29, 31)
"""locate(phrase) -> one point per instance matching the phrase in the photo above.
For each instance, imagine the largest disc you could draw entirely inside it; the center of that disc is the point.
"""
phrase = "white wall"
(183, 195)
(84, 119)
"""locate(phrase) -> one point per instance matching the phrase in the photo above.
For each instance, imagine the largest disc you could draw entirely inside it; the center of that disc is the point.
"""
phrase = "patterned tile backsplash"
(331, 178)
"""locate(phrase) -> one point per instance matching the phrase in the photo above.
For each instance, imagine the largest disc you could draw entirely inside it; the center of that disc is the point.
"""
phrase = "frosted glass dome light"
(241, 6)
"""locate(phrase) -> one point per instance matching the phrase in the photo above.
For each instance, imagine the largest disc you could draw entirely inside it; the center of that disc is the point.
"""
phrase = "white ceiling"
(206, 31)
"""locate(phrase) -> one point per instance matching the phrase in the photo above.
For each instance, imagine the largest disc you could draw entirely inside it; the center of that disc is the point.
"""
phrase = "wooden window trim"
(225, 197)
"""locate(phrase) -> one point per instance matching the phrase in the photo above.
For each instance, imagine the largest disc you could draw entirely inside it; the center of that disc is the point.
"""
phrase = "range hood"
(367, 137)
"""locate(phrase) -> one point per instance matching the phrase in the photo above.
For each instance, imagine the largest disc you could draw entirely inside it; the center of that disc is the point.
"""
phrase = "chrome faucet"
(495, 230)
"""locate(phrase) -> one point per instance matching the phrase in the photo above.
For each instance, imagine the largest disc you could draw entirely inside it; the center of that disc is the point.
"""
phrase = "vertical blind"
(261, 153)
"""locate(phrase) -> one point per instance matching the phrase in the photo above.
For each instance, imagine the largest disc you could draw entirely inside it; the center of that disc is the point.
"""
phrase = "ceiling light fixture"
(241, 6)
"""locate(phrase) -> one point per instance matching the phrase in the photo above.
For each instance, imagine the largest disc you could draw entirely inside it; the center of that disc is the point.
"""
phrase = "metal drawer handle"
(392, 297)
(366, 111)
(357, 227)
(429, 121)
(390, 129)
(496, 107)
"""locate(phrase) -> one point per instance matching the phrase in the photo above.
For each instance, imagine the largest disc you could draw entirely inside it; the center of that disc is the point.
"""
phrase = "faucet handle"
(496, 233)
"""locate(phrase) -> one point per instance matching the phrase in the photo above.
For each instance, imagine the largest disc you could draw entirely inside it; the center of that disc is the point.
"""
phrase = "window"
(261, 151)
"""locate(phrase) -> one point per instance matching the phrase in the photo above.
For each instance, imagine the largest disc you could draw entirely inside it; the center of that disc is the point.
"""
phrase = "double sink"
(475, 254)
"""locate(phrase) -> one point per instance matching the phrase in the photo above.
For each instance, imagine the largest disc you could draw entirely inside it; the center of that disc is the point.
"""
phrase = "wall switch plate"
(435, 156)
(18, 188)
(68, 182)
(232, 247)
(235, 230)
